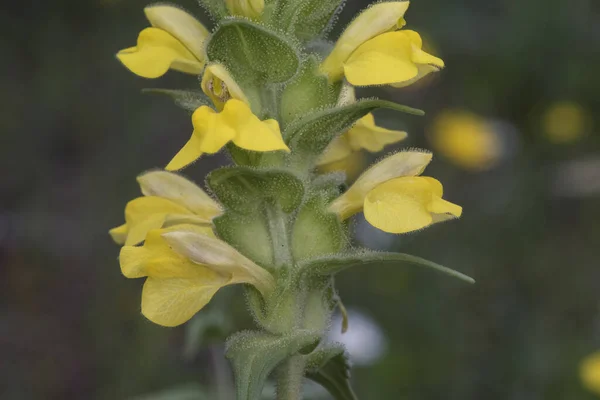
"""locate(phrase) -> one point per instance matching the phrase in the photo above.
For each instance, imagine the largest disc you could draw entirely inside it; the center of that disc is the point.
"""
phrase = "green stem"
(289, 381)
(279, 236)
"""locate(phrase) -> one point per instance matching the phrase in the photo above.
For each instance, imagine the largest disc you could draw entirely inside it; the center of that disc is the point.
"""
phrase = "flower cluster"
(273, 221)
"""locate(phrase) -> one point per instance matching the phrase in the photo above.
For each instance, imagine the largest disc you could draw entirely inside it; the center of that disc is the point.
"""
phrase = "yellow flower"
(220, 86)
(246, 8)
(169, 200)
(565, 122)
(394, 198)
(393, 58)
(363, 135)
(590, 372)
(235, 123)
(175, 40)
(185, 267)
(467, 140)
(375, 20)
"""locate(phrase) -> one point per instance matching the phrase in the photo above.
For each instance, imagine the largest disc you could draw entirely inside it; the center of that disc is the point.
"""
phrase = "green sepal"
(215, 8)
(316, 231)
(248, 233)
(252, 52)
(309, 136)
(246, 189)
(189, 100)
(308, 91)
(254, 355)
(306, 19)
(330, 265)
(329, 366)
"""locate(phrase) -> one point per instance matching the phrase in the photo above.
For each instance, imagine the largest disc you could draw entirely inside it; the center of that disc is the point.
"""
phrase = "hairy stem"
(289, 381)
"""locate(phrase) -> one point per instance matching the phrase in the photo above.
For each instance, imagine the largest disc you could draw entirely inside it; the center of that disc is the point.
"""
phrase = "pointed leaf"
(254, 355)
(309, 136)
(330, 368)
(329, 265)
(252, 52)
(189, 100)
(245, 189)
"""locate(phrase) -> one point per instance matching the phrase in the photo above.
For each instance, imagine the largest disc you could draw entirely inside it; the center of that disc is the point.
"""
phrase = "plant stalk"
(289, 381)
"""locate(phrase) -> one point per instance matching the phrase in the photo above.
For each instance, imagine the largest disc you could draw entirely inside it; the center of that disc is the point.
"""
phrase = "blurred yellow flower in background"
(589, 372)
(565, 122)
(466, 139)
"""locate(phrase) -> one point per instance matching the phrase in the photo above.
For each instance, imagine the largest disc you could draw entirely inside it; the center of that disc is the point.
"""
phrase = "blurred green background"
(76, 131)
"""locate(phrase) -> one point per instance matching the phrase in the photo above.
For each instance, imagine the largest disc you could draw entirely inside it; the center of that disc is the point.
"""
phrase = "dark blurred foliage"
(76, 131)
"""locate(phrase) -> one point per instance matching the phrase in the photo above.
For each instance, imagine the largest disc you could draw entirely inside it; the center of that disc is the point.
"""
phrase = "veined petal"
(181, 25)
(156, 52)
(382, 60)
(180, 190)
(373, 21)
(220, 86)
(146, 213)
(407, 204)
(406, 163)
(337, 150)
(366, 135)
(119, 234)
(173, 301)
(250, 132)
(220, 257)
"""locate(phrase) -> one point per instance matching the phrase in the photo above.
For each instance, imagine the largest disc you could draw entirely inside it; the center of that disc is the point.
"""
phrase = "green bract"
(252, 52)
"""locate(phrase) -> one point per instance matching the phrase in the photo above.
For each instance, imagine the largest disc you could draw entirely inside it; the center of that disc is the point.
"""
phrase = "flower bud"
(246, 8)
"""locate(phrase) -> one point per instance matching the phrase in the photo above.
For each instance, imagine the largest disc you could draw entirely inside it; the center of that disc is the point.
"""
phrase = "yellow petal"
(155, 258)
(250, 132)
(406, 163)
(366, 135)
(173, 301)
(189, 153)
(212, 130)
(119, 234)
(220, 86)
(146, 213)
(180, 190)
(382, 60)
(590, 372)
(181, 25)
(373, 21)
(337, 150)
(425, 62)
(397, 207)
(156, 52)
(220, 257)
(407, 204)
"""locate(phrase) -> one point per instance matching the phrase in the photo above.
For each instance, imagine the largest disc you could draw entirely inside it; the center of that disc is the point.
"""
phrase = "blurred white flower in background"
(364, 340)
